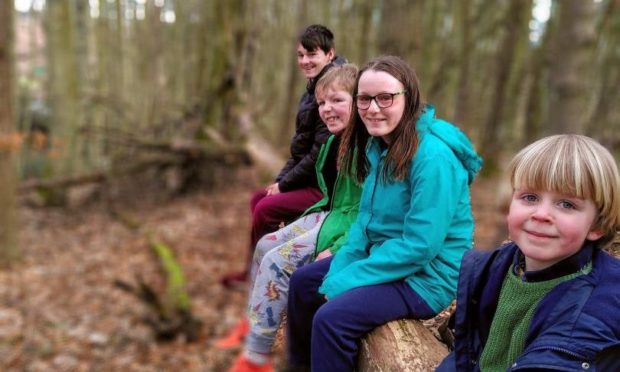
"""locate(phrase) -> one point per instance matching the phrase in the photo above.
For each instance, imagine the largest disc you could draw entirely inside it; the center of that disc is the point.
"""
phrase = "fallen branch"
(171, 155)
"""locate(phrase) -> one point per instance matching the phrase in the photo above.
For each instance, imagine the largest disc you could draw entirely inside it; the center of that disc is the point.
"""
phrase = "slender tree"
(9, 250)
(292, 81)
(463, 87)
(571, 51)
(602, 124)
(505, 60)
(535, 115)
(64, 83)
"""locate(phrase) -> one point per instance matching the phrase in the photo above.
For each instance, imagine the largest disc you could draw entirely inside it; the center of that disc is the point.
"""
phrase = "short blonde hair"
(341, 77)
(574, 165)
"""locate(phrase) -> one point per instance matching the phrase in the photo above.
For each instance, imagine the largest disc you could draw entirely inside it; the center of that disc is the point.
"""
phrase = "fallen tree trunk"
(171, 154)
(401, 345)
(407, 345)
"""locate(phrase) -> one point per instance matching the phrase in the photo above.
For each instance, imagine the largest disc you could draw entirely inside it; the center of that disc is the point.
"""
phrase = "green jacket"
(343, 209)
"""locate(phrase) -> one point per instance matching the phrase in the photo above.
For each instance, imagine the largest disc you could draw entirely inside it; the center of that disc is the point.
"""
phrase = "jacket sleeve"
(336, 244)
(436, 183)
(290, 163)
(353, 250)
(298, 174)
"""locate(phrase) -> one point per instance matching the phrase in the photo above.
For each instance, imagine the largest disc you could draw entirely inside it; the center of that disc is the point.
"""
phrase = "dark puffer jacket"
(310, 134)
(576, 326)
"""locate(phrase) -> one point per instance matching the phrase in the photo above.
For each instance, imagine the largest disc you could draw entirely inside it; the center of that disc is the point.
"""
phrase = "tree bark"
(601, 124)
(287, 124)
(490, 145)
(535, 116)
(392, 39)
(463, 87)
(9, 249)
(401, 345)
(64, 85)
(571, 53)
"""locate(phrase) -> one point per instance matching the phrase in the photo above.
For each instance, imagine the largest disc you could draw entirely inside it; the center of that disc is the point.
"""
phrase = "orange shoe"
(235, 336)
(243, 365)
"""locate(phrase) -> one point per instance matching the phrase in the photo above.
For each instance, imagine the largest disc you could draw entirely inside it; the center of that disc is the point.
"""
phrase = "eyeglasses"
(383, 100)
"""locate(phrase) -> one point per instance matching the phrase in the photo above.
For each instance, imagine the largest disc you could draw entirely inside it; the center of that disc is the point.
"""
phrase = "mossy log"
(401, 345)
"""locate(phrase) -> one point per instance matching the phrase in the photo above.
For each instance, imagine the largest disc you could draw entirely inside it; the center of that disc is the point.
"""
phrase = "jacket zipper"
(554, 348)
(372, 198)
(331, 205)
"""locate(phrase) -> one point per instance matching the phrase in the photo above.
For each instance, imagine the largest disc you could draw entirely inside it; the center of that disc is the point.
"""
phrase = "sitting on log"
(403, 252)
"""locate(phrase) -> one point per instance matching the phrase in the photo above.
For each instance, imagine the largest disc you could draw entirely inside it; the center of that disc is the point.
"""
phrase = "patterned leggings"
(276, 257)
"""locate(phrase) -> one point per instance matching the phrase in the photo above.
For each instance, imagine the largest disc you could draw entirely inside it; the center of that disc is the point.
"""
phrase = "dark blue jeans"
(326, 334)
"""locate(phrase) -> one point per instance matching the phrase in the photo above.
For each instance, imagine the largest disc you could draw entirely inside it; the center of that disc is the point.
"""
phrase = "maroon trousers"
(269, 211)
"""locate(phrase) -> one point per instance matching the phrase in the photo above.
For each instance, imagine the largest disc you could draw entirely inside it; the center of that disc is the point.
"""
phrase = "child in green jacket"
(318, 233)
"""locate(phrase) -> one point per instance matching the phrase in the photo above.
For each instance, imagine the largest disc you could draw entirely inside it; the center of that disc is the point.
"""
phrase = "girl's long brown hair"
(404, 139)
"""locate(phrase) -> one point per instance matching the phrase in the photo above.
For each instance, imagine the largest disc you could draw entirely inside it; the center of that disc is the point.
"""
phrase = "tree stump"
(401, 345)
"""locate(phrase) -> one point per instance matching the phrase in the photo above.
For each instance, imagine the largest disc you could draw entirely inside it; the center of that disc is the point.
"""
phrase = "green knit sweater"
(516, 305)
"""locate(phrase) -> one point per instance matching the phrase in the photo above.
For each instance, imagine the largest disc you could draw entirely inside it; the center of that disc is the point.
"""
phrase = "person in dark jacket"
(295, 188)
(549, 300)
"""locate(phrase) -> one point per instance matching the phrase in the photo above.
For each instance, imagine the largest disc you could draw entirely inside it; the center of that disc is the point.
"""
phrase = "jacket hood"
(453, 137)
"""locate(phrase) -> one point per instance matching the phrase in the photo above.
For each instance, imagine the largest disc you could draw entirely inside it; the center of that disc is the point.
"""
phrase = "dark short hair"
(316, 36)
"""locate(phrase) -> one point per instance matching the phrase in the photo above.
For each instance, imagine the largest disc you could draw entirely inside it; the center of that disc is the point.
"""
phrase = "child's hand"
(273, 189)
(326, 253)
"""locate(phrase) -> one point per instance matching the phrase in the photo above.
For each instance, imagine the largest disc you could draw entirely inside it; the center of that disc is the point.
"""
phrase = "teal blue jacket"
(416, 229)
(342, 208)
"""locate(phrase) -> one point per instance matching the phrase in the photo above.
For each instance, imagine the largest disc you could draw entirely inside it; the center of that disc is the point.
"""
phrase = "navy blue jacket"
(576, 326)
(310, 134)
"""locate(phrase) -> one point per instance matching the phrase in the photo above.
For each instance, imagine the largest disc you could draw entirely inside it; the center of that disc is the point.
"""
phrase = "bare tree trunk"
(571, 53)
(63, 82)
(292, 96)
(463, 87)
(366, 22)
(119, 86)
(392, 39)
(9, 249)
(602, 123)
(535, 115)
(505, 60)
(225, 95)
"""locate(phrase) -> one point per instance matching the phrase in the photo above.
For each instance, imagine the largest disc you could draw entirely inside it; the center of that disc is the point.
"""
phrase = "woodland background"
(130, 124)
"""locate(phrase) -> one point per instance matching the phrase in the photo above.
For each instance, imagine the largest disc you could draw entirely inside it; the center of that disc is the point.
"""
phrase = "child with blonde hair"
(319, 233)
(549, 299)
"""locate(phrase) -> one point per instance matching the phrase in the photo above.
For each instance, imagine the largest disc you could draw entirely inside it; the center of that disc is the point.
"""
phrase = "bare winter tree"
(9, 250)
(571, 55)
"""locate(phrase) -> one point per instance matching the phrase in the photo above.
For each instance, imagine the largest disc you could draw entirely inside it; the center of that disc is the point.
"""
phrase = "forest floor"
(59, 309)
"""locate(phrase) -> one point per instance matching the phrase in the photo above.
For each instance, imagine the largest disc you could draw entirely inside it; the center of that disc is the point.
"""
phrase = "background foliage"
(104, 72)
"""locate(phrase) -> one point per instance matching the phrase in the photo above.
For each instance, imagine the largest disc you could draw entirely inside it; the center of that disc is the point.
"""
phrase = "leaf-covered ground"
(59, 310)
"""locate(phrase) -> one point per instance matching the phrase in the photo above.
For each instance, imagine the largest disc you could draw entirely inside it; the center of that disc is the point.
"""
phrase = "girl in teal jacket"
(403, 252)
(321, 230)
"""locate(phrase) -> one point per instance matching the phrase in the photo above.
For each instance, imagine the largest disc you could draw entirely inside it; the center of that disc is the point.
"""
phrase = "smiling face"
(335, 108)
(311, 62)
(381, 122)
(549, 227)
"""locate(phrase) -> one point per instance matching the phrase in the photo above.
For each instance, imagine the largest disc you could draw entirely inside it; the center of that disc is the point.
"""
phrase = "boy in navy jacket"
(549, 299)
